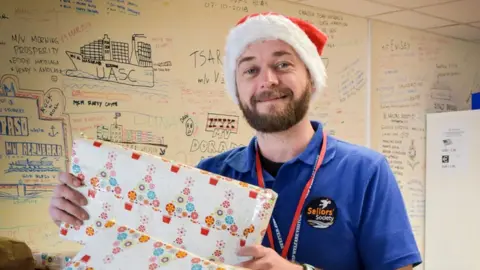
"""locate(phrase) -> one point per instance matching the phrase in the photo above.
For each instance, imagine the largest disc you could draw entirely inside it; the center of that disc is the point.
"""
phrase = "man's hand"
(265, 258)
(67, 203)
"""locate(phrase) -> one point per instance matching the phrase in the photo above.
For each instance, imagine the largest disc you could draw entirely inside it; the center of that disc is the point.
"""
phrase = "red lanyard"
(301, 202)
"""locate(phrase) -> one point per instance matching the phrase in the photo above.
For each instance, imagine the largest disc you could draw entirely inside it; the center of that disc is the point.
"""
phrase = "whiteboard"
(452, 235)
(415, 73)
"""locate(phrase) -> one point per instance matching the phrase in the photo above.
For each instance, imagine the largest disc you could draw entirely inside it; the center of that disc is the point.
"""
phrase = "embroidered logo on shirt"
(321, 212)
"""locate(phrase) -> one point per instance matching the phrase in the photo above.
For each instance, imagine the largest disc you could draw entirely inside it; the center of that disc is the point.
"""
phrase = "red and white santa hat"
(307, 40)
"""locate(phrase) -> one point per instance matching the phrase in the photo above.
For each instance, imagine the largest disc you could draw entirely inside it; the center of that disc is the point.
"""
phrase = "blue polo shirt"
(369, 228)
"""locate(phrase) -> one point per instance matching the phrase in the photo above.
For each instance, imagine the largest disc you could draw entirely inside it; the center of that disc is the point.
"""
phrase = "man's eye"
(250, 71)
(283, 65)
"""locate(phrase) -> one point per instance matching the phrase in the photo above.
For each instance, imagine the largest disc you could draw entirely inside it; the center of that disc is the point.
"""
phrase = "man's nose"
(269, 78)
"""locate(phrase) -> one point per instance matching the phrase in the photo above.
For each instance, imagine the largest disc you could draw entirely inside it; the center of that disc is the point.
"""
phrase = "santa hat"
(307, 40)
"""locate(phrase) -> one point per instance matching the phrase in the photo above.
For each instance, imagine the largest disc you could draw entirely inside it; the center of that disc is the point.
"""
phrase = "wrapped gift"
(51, 261)
(120, 247)
(177, 204)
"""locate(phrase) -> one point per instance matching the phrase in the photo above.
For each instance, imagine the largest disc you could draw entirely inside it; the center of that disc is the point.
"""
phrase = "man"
(339, 206)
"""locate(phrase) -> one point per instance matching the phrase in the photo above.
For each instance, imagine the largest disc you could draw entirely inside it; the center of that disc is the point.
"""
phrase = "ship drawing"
(32, 166)
(113, 61)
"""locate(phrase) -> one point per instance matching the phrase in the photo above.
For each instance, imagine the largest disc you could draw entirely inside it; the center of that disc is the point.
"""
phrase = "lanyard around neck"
(295, 226)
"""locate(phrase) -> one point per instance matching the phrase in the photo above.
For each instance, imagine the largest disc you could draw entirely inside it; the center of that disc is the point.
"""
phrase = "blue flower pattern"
(76, 168)
(190, 207)
(151, 195)
(158, 251)
(113, 181)
(197, 267)
(229, 220)
(122, 236)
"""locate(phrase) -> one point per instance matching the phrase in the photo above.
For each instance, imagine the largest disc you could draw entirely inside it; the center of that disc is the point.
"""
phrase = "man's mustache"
(272, 94)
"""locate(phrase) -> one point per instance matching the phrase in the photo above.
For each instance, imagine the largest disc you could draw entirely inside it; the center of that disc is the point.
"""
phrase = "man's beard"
(294, 111)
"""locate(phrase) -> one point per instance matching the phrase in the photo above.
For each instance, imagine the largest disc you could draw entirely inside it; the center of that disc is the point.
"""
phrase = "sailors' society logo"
(321, 212)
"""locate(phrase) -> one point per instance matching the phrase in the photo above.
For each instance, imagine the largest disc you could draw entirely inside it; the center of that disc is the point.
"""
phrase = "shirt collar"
(244, 160)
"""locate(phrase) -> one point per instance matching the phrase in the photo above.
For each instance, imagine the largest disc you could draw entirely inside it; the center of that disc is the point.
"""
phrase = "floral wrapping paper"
(51, 261)
(120, 247)
(181, 205)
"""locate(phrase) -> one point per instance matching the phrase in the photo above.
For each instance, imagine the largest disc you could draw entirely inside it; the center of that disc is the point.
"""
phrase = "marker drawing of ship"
(32, 166)
(112, 61)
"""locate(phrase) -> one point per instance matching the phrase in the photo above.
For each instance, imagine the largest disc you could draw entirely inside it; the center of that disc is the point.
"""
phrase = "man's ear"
(312, 83)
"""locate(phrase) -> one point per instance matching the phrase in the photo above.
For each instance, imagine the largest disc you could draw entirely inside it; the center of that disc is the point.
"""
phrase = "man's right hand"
(66, 203)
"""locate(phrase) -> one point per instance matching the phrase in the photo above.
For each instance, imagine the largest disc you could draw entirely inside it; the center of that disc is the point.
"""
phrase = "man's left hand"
(265, 258)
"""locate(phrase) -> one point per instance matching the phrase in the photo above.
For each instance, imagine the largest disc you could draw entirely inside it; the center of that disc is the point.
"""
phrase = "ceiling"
(454, 18)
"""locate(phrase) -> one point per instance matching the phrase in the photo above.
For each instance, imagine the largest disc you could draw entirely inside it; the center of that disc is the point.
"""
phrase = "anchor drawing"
(53, 133)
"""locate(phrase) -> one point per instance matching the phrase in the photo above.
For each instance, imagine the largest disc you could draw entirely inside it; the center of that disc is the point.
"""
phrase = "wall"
(415, 73)
(168, 97)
